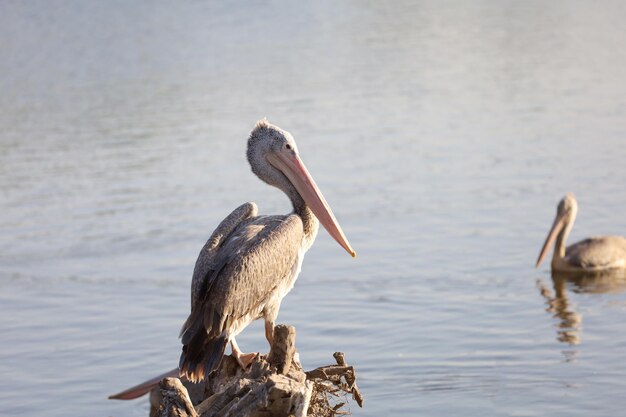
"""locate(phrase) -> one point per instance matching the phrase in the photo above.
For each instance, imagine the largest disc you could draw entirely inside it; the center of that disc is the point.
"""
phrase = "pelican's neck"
(309, 222)
(560, 244)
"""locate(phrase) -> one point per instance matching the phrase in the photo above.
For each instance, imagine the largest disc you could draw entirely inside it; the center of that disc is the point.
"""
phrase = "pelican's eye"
(288, 146)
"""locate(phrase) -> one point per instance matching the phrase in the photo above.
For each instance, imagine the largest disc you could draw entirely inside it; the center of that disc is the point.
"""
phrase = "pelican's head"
(274, 158)
(568, 206)
(267, 139)
(565, 216)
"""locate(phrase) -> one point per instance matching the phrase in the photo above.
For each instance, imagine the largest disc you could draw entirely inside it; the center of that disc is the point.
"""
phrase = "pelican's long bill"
(557, 226)
(290, 164)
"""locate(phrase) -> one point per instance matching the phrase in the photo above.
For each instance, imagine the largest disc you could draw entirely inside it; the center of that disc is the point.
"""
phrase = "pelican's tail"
(201, 356)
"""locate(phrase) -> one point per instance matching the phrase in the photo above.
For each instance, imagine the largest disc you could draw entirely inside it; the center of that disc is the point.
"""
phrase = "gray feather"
(244, 263)
(205, 262)
(597, 252)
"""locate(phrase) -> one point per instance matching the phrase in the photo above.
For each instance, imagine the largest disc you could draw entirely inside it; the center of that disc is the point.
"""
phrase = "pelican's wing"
(245, 272)
(260, 259)
(205, 262)
(202, 274)
(598, 252)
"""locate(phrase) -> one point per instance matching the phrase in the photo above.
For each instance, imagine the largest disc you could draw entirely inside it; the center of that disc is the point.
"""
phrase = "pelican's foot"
(244, 359)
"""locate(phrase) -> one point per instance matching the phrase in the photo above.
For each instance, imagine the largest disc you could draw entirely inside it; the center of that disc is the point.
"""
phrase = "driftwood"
(274, 385)
(175, 400)
(330, 385)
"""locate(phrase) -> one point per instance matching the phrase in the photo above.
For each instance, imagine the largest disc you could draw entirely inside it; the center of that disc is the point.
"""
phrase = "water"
(442, 134)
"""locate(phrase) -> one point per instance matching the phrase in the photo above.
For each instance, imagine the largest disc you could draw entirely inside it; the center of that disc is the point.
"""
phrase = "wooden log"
(272, 386)
(196, 392)
(283, 348)
(330, 382)
(218, 401)
(350, 378)
(175, 399)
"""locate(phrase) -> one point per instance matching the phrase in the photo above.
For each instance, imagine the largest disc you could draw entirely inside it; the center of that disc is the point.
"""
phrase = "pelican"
(250, 262)
(594, 254)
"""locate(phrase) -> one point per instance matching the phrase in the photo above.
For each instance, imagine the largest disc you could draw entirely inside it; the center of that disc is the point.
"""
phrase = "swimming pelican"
(592, 255)
(250, 262)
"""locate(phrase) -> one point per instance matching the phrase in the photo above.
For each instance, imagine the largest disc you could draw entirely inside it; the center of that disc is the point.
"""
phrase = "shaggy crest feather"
(262, 123)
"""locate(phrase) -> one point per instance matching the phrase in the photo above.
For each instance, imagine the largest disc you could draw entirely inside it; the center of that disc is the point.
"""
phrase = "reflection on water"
(560, 305)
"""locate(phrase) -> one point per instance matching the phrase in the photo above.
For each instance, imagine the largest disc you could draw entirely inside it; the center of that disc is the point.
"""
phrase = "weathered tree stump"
(175, 401)
(330, 384)
(274, 385)
(283, 348)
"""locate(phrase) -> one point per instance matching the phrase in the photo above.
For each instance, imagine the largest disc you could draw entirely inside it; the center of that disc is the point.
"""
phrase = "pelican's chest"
(290, 280)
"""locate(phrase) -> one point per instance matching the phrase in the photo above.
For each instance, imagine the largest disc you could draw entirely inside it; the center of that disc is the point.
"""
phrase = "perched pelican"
(594, 254)
(250, 262)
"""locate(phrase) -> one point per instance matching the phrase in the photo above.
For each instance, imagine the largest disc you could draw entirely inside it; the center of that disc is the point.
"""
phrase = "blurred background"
(443, 134)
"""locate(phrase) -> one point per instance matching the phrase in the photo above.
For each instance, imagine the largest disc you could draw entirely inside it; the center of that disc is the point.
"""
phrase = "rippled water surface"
(442, 135)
